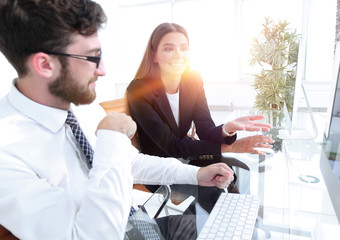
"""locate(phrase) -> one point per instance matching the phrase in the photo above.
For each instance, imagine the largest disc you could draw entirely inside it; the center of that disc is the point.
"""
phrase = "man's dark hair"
(44, 25)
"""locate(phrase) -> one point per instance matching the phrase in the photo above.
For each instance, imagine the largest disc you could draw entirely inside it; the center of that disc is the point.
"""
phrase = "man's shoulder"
(6, 108)
(14, 126)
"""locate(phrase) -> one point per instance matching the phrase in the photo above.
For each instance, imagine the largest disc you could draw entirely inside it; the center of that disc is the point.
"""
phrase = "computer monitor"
(334, 96)
(293, 99)
(330, 156)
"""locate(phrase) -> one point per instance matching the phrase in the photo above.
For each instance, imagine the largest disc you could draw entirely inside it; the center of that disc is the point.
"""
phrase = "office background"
(220, 34)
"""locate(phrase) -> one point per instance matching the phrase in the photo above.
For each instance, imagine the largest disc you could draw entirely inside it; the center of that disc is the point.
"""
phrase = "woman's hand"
(247, 123)
(249, 145)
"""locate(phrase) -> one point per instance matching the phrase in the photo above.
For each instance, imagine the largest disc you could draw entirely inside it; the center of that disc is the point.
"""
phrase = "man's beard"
(68, 89)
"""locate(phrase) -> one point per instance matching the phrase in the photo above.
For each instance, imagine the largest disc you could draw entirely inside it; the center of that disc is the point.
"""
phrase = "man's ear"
(43, 64)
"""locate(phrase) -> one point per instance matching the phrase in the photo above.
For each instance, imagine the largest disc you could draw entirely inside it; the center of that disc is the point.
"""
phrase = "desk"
(295, 202)
(295, 199)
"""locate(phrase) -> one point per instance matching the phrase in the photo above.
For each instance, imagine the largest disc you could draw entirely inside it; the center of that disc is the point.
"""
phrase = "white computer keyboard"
(233, 217)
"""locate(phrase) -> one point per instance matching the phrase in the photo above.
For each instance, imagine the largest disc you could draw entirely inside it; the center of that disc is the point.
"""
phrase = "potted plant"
(275, 50)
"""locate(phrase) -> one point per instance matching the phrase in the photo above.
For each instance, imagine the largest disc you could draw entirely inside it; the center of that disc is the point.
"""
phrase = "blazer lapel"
(186, 105)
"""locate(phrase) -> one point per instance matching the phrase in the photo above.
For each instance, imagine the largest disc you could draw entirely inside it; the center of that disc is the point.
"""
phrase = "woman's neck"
(171, 83)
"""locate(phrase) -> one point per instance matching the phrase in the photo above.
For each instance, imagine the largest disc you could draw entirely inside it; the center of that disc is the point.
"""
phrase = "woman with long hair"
(166, 97)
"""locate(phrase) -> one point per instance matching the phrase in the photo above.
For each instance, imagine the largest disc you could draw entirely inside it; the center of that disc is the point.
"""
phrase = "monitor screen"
(333, 111)
(298, 114)
(330, 157)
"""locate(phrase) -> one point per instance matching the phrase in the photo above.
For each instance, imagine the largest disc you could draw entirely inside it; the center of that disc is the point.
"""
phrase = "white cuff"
(226, 133)
(187, 174)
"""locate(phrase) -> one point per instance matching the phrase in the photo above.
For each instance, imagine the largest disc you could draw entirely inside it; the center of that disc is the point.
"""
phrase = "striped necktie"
(71, 120)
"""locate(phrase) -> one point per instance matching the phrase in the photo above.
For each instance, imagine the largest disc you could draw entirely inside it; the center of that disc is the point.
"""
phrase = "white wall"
(7, 75)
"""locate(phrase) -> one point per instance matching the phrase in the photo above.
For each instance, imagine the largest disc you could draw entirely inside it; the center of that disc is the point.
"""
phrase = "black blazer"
(158, 133)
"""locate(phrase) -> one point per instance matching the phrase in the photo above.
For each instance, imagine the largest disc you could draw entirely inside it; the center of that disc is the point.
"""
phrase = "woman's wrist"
(227, 133)
(226, 148)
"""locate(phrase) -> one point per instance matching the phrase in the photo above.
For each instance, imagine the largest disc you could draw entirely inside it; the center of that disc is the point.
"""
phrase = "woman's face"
(172, 54)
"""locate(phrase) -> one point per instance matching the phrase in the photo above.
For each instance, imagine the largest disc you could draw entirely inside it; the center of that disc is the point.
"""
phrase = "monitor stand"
(303, 125)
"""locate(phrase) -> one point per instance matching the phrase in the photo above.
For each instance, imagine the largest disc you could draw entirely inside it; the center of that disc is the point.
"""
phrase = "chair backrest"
(115, 105)
(120, 105)
(6, 235)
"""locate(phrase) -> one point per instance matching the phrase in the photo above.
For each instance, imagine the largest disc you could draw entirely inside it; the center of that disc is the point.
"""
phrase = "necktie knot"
(71, 119)
(79, 135)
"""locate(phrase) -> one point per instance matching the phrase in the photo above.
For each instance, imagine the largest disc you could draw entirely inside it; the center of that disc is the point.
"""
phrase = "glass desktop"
(296, 201)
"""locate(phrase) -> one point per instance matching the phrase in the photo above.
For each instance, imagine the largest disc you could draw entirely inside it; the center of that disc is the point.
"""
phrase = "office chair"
(6, 235)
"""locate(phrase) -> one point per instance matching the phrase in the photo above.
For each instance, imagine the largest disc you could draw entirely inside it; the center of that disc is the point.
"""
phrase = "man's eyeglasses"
(95, 59)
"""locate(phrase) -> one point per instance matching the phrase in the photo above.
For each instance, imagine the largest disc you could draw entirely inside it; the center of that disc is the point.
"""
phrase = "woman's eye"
(168, 49)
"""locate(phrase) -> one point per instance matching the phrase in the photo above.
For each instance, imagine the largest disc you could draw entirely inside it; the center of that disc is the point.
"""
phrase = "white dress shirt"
(47, 191)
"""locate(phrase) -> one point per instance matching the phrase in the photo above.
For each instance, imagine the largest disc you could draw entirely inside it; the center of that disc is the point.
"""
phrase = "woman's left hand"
(247, 123)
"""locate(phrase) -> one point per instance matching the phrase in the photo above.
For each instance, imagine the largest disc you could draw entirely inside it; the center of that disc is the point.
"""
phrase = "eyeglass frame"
(94, 59)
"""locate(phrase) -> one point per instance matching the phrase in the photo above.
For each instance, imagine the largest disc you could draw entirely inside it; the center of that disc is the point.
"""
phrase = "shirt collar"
(51, 118)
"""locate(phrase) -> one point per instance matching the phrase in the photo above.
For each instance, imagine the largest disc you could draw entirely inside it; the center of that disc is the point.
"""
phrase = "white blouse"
(174, 104)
